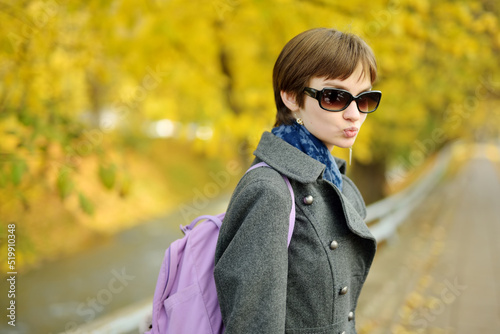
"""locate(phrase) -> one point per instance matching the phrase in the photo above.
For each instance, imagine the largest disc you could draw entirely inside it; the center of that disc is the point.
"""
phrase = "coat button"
(308, 200)
(350, 316)
(334, 245)
(343, 291)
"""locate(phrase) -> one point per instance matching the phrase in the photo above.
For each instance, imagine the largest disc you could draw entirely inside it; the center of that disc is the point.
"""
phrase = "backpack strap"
(217, 220)
(291, 224)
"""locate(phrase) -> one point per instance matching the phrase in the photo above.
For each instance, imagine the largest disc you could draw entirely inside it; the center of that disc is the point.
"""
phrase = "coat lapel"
(354, 220)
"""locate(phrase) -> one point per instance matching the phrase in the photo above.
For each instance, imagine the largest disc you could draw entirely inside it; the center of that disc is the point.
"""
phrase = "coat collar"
(290, 161)
(296, 165)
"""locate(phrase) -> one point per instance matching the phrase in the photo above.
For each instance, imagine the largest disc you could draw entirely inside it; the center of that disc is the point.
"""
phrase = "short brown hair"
(319, 52)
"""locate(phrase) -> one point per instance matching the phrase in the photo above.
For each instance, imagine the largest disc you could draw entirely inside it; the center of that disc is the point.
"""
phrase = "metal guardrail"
(383, 219)
(384, 216)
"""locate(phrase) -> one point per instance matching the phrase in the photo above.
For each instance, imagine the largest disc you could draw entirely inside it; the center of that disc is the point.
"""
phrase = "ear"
(289, 100)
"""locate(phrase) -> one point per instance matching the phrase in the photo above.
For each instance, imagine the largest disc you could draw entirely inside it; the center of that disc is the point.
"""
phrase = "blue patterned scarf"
(298, 136)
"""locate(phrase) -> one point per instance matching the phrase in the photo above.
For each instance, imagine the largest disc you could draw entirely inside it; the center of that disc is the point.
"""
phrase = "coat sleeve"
(252, 256)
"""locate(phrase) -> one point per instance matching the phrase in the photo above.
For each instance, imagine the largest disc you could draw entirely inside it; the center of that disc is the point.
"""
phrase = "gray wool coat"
(313, 286)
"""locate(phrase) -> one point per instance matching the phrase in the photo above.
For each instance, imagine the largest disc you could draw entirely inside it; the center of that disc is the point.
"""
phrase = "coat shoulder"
(261, 203)
(265, 181)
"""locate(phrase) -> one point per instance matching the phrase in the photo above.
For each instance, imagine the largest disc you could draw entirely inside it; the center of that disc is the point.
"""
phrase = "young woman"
(322, 83)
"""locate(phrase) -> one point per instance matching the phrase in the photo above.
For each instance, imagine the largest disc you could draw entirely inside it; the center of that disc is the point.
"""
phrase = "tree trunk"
(370, 179)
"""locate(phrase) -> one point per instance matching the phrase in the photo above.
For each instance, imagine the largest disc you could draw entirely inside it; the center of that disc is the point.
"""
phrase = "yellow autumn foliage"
(211, 61)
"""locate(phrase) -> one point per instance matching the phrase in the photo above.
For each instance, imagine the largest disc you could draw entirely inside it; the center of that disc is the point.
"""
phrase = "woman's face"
(332, 128)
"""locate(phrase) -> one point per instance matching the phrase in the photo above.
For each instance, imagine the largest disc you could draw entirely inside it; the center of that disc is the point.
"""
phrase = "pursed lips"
(351, 132)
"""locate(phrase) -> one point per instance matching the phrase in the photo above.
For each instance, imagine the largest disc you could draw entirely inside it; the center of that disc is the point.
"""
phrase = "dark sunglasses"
(334, 99)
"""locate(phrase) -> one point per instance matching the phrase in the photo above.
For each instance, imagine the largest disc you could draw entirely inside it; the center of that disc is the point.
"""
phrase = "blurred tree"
(433, 58)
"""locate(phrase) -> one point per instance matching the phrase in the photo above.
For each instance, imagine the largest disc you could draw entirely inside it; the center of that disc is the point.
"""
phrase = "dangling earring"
(350, 155)
(299, 120)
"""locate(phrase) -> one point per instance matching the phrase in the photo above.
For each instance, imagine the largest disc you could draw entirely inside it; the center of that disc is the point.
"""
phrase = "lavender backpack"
(185, 299)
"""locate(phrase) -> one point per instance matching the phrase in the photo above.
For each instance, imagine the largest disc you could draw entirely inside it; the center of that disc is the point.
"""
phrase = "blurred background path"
(441, 273)
(64, 295)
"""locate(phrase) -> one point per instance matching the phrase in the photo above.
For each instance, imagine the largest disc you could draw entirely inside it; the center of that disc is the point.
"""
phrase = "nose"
(351, 112)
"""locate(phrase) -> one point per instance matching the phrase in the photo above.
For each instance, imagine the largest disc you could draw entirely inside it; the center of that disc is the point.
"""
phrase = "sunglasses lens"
(334, 99)
(369, 101)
